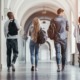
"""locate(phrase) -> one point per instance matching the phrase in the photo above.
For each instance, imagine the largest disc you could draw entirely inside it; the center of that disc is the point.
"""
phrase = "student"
(11, 28)
(77, 36)
(34, 46)
(60, 41)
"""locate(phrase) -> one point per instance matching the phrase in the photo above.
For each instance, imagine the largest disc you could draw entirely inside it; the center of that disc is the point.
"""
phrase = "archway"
(52, 8)
(48, 16)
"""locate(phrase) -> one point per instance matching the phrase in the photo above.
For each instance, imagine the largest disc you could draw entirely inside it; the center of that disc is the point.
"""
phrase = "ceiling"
(23, 9)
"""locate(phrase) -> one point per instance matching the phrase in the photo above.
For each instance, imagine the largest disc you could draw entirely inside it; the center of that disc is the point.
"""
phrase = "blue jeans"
(34, 48)
(61, 50)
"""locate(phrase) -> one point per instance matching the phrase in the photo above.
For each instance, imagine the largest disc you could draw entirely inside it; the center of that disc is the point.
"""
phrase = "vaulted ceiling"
(25, 8)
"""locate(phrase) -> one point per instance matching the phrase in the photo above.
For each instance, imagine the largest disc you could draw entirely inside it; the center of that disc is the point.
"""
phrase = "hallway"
(24, 12)
(46, 71)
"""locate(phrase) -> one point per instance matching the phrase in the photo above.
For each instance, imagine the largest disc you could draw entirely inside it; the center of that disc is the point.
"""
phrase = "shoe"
(58, 70)
(32, 68)
(63, 67)
(8, 69)
(13, 68)
(36, 69)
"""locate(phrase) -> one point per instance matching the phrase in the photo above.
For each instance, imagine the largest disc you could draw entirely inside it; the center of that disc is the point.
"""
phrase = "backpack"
(51, 30)
(12, 28)
(41, 37)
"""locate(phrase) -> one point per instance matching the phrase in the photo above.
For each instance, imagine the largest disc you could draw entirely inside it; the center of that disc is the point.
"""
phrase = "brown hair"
(52, 21)
(60, 10)
(79, 20)
(10, 15)
(36, 28)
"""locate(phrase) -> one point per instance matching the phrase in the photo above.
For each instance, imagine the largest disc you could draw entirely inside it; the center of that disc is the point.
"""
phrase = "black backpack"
(12, 28)
(41, 37)
(51, 30)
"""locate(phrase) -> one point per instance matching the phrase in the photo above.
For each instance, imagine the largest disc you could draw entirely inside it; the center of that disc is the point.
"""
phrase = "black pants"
(12, 45)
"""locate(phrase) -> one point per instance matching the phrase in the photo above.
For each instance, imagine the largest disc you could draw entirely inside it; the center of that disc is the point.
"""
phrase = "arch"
(39, 14)
(39, 7)
(55, 3)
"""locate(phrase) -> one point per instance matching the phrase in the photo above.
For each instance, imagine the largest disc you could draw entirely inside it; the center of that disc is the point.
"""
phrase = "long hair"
(36, 28)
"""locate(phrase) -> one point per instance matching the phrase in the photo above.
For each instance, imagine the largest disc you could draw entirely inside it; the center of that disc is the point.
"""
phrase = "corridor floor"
(46, 71)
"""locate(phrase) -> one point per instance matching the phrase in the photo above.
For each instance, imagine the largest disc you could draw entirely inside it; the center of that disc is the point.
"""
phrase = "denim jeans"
(12, 45)
(34, 48)
(61, 51)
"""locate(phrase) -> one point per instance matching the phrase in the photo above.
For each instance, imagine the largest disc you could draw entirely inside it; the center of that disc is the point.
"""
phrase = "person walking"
(11, 28)
(60, 41)
(34, 46)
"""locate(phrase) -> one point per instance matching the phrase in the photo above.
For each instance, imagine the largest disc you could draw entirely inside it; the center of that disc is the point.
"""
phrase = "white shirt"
(77, 34)
(6, 29)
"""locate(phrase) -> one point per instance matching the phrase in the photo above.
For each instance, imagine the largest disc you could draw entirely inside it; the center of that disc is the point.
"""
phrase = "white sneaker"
(8, 69)
(13, 68)
(36, 69)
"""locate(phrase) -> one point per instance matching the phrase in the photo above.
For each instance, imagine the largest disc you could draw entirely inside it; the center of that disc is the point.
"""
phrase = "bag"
(41, 37)
(51, 30)
(12, 28)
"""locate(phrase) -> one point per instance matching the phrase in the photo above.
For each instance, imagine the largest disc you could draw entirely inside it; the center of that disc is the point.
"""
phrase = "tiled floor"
(46, 71)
